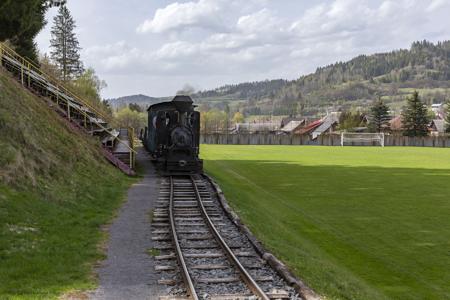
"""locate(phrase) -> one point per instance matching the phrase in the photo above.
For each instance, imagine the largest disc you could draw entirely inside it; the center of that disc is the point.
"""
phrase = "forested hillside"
(424, 61)
(140, 99)
(246, 90)
(354, 84)
(394, 75)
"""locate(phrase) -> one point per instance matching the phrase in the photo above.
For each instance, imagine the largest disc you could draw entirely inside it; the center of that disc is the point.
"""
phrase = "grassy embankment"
(56, 191)
(353, 222)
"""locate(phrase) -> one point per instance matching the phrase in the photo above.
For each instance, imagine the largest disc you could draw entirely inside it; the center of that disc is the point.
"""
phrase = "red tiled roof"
(309, 127)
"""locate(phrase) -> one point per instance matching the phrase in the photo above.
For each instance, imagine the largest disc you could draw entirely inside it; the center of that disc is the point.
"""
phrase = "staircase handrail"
(60, 86)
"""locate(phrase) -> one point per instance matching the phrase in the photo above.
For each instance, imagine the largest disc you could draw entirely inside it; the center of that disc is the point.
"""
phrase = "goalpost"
(362, 139)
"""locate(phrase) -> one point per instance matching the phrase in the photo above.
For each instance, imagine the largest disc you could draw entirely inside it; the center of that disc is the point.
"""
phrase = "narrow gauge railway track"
(211, 266)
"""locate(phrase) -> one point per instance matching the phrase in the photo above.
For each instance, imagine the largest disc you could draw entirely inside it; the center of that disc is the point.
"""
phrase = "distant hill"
(245, 90)
(142, 100)
(355, 83)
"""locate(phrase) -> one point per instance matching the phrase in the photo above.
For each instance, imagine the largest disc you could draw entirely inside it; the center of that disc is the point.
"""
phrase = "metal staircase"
(117, 145)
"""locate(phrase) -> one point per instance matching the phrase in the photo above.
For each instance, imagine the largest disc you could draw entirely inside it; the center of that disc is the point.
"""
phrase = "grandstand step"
(117, 162)
(79, 114)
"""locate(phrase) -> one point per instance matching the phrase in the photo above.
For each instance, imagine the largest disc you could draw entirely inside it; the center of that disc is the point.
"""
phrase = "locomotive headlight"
(182, 163)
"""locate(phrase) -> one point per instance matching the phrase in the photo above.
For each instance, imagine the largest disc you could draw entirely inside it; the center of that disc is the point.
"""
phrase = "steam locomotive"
(172, 136)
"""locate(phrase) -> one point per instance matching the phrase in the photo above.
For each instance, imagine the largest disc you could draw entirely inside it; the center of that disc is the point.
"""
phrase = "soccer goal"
(362, 139)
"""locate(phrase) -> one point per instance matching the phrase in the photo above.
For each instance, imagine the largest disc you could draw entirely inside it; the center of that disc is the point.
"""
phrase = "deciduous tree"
(129, 118)
(238, 117)
(135, 107)
(349, 120)
(213, 121)
(89, 86)
(447, 118)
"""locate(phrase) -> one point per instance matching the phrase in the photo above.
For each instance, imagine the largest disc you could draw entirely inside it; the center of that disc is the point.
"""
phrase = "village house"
(325, 125)
(396, 125)
(437, 127)
(293, 125)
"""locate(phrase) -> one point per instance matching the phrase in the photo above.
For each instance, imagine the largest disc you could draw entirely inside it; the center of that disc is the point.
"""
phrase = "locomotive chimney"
(182, 103)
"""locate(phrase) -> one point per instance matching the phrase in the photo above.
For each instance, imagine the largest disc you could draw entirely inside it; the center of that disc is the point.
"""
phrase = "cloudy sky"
(156, 47)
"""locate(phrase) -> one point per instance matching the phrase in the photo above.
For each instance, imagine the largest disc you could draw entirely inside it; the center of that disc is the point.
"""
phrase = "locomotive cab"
(173, 135)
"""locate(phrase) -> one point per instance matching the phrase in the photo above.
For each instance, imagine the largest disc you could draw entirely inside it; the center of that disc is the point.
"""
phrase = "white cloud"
(257, 39)
(107, 49)
(334, 18)
(437, 4)
(178, 50)
(204, 13)
(113, 57)
(262, 41)
(257, 22)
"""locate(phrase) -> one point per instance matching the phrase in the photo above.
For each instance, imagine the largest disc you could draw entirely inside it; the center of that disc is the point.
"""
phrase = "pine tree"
(65, 45)
(379, 116)
(415, 117)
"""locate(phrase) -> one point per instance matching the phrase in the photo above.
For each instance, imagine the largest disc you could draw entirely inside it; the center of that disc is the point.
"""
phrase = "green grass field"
(353, 222)
(56, 193)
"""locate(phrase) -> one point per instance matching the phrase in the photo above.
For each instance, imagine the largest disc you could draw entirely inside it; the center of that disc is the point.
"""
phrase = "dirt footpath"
(128, 272)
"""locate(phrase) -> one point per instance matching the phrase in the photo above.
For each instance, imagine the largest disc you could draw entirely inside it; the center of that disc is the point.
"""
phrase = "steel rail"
(251, 283)
(184, 271)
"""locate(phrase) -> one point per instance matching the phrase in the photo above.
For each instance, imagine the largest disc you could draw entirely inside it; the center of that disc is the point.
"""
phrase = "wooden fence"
(323, 140)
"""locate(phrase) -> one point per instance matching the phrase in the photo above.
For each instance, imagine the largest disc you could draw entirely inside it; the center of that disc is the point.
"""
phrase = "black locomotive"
(173, 135)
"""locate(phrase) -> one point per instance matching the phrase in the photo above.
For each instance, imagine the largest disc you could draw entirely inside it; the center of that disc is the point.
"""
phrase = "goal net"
(362, 139)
